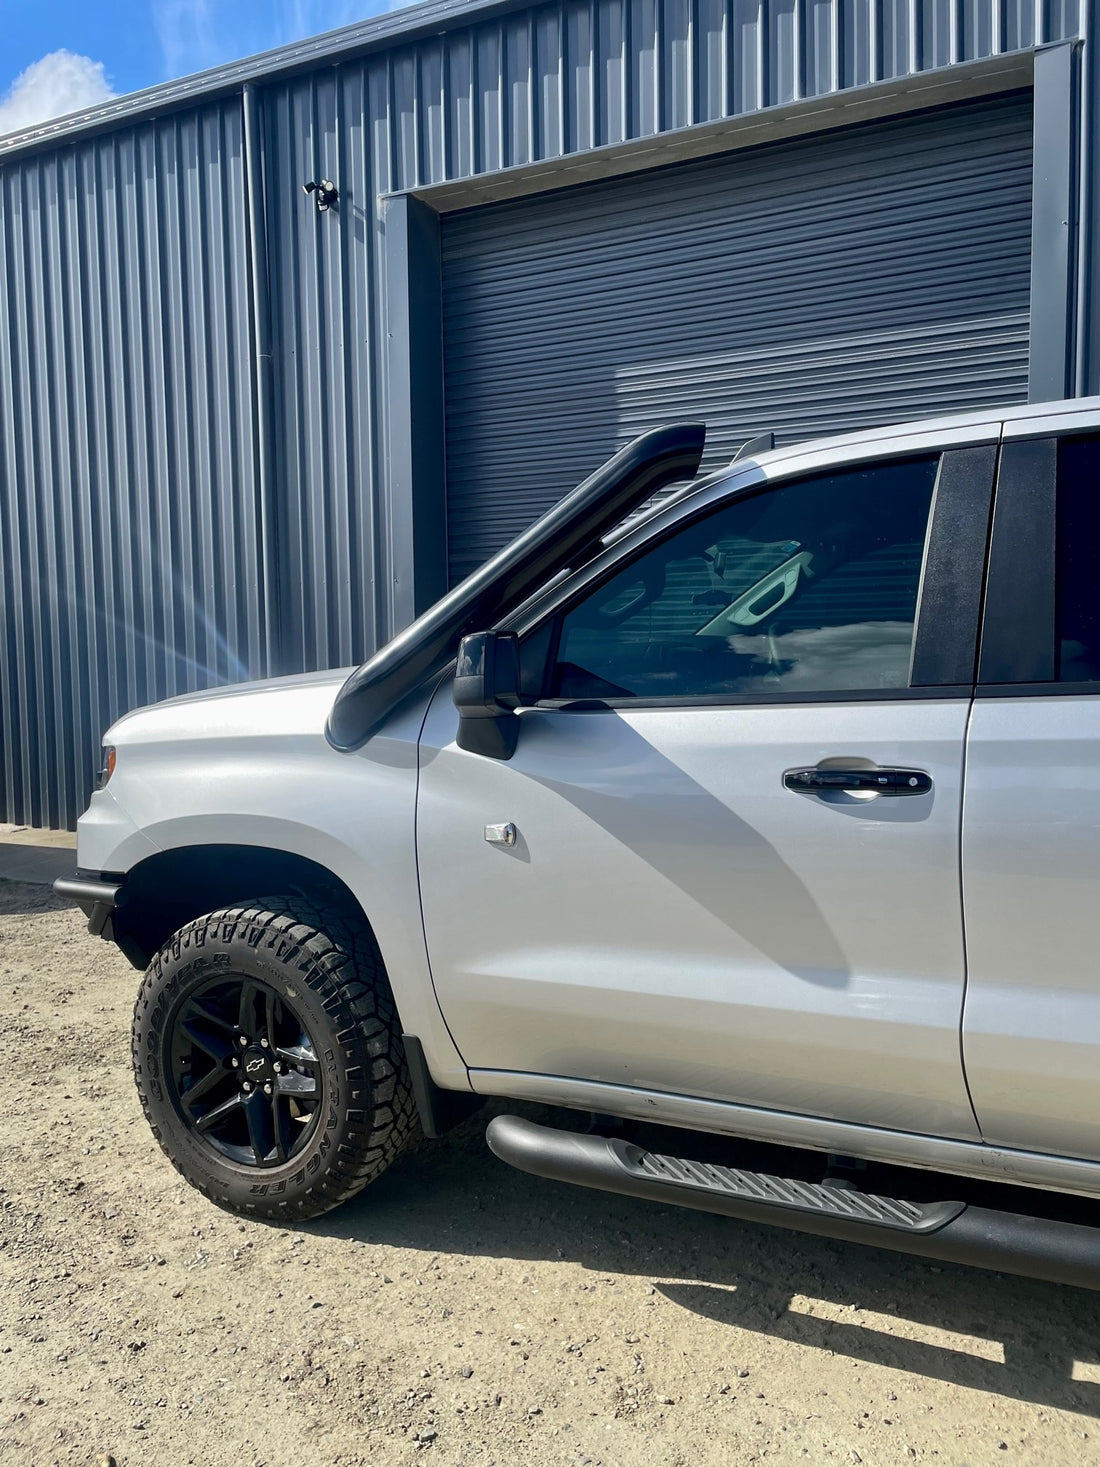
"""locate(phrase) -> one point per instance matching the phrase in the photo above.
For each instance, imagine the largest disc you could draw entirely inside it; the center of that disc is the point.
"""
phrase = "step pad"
(819, 1197)
(953, 1232)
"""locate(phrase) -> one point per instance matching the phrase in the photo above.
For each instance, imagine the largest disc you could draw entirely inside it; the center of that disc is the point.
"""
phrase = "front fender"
(352, 814)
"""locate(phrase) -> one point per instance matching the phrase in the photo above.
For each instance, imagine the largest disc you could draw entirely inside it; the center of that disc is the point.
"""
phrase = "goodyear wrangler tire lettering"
(295, 964)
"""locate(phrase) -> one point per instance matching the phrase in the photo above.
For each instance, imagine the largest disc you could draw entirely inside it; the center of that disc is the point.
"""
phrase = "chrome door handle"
(858, 781)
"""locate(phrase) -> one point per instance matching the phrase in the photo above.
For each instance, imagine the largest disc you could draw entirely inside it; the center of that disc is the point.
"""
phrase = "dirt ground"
(458, 1312)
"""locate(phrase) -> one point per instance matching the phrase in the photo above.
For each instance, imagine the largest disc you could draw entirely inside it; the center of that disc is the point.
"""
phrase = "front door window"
(807, 588)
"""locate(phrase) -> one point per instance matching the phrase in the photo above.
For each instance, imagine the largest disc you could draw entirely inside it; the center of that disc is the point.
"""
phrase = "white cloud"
(61, 82)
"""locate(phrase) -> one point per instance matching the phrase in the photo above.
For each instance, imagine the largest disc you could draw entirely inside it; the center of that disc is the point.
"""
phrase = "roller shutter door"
(811, 286)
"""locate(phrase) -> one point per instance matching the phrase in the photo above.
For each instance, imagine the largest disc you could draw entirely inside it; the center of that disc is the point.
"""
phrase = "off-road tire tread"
(339, 959)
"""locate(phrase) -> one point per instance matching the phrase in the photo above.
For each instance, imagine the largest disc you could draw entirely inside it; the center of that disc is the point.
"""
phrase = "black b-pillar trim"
(1018, 622)
(951, 584)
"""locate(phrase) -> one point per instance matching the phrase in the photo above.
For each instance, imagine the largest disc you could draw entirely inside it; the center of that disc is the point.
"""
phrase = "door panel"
(672, 917)
(1031, 822)
(1031, 867)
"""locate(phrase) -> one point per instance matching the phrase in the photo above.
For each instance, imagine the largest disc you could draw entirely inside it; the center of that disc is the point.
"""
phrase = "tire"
(328, 1105)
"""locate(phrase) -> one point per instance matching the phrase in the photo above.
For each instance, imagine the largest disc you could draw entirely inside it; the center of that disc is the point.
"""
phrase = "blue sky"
(59, 55)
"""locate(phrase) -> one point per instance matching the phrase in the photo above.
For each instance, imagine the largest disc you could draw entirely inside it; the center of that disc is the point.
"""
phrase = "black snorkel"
(563, 537)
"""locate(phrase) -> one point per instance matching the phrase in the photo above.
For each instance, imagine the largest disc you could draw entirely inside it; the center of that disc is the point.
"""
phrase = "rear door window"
(1077, 552)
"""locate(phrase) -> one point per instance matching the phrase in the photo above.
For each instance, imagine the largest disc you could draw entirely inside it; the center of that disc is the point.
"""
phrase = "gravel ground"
(458, 1312)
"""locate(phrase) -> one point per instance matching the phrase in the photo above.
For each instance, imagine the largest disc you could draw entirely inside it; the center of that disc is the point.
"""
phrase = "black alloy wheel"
(244, 1071)
(269, 1060)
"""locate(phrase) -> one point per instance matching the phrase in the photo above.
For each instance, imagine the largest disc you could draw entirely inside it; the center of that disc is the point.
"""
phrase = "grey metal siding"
(325, 301)
(497, 81)
(541, 83)
(128, 532)
(812, 286)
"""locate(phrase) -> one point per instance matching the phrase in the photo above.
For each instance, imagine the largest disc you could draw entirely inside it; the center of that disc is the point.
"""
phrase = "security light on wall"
(324, 194)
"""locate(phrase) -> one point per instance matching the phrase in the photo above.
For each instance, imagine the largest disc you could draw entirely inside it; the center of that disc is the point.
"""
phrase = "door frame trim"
(1052, 348)
(413, 345)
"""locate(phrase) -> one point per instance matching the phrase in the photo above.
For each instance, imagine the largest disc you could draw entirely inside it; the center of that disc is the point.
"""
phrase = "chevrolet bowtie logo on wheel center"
(257, 1069)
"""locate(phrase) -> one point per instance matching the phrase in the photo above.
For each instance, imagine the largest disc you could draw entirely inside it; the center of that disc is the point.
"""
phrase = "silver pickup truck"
(767, 809)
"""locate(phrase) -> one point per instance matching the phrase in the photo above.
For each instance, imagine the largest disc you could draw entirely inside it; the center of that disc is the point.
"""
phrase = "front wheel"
(268, 1058)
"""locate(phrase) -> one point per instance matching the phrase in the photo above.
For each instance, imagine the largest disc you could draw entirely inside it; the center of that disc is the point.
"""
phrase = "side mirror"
(486, 694)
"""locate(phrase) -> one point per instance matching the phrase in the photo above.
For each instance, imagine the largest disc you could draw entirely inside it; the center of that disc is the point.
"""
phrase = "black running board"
(954, 1232)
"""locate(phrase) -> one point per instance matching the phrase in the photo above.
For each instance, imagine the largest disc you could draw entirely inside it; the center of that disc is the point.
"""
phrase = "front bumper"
(98, 900)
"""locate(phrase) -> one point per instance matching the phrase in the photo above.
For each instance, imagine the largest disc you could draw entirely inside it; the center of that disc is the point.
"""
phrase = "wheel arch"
(172, 887)
(186, 878)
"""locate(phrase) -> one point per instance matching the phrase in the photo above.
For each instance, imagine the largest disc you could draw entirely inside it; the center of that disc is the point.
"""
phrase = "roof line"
(432, 17)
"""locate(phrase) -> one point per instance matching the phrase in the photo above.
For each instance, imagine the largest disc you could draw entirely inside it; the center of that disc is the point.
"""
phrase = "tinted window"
(810, 587)
(1078, 561)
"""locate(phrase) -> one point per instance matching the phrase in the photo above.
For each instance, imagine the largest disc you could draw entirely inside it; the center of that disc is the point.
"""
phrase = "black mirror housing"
(486, 694)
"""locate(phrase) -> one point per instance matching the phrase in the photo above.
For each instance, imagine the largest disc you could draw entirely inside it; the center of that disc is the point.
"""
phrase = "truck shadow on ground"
(19, 898)
(1014, 1337)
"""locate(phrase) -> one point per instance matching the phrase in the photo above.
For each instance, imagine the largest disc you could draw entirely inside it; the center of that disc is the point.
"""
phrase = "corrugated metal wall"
(540, 83)
(813, 286)
(326, 308)
(128, 526)
(532, 85)
(128, 489)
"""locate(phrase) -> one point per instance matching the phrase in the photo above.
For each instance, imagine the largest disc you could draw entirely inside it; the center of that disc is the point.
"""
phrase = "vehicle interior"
(808, 585)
